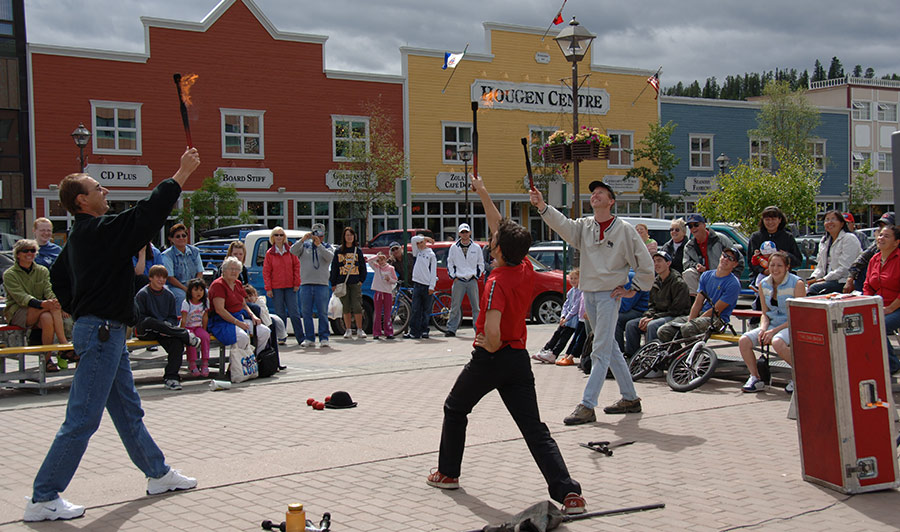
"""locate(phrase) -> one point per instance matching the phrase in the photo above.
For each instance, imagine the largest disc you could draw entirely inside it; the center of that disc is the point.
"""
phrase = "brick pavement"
(718, 458)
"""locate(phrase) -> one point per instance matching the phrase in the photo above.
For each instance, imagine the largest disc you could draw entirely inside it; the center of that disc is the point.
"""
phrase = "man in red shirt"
(501, 362)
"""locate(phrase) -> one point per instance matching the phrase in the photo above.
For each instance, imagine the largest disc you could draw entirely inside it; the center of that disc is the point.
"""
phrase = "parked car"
(382, 241)
(6, 260)
(214, 246)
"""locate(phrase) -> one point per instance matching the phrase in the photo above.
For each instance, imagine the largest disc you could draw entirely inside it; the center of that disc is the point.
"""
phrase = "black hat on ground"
(598, 183)
(340, 400)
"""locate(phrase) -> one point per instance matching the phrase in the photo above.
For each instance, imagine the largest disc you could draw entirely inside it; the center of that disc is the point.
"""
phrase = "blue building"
(709, 128)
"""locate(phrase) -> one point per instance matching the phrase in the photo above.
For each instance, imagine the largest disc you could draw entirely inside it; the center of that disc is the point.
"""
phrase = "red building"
(264, 110)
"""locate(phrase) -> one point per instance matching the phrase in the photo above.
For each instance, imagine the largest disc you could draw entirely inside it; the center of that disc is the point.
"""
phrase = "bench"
(36, 377)
(745, 315)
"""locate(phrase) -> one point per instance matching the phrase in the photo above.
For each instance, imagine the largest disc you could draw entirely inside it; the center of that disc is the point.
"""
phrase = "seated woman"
(883, 279)
(182, 261)
(237, 250)
(232, 321)
(837, 251)
(774, 292)
(30, 302)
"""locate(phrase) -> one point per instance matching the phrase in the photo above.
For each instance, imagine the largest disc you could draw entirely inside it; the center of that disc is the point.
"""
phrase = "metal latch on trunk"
(851, 324)
(865, 468)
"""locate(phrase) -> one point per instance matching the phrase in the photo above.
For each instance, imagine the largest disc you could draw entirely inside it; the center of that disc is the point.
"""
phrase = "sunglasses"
(729, 257)
(278, 234)
(180, 235)
(675, 230)
(29, 250)
(693, 225)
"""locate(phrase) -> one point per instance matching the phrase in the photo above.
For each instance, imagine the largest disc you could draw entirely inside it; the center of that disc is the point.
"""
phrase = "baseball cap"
(848, 217)
(318, 229)
(666, 257)
(768, 247)
(887, 218)
(695, 218)
(395, 245)
(463, 227)
(598, 183)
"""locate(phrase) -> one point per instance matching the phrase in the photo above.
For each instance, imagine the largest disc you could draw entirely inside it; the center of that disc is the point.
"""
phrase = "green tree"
(657, 153)
(864, 187)
(870, 73)
(836, 69)
(786, 118)
(857, 71)
(818, 72)
(367, 179)
(741, 194)
(213, 205)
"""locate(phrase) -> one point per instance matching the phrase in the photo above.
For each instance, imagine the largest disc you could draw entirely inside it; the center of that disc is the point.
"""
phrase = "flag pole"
(553, 23)
(454, 70)
(658, 70)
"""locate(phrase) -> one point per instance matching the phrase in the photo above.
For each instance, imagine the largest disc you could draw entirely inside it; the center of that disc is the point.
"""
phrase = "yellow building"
(523, 86)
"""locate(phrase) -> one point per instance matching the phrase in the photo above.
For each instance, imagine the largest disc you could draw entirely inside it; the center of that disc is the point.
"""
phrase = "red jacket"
(281, 271)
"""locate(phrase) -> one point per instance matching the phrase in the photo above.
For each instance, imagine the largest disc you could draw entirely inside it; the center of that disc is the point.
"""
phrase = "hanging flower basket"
(585, 150)
(557, 153)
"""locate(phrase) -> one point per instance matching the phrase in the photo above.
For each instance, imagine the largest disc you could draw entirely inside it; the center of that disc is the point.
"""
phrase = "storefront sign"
(699, 184)
(247, 177)
(341, 179)
(120, 175)
(451, 181)
(542, 58)
(538, 98)
(620, 183)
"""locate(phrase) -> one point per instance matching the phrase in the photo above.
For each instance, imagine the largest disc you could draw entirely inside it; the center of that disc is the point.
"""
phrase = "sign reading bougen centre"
(539, 98)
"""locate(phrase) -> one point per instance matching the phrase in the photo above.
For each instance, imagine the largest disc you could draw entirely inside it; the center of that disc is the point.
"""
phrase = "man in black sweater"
(93, 278)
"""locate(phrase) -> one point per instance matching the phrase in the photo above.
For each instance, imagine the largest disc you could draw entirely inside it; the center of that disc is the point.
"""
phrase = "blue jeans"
(286, 297)
(457, 292)
(633, 333)
(103, 379)
(825, 287)
(603, 312)
(314, 298)
(891, 324)
(624, 318)
(421, 310)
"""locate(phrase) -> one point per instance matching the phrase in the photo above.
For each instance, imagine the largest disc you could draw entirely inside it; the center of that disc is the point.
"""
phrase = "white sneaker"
(323, 343)
(58, 508)
(753, 385)
(789, 388)
(360, 333)
(348, 333)
(307, 343)
(195, 340)
(546, 357)
(171, 481)
(172, 384)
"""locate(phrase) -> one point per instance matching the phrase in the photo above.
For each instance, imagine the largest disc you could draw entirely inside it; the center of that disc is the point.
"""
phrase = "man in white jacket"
(465, 264)
(609, 248)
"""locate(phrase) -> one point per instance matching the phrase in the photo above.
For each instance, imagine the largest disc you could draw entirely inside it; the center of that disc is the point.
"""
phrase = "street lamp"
(82, 136)
(465, 153)
(574, 41)
(723, 161)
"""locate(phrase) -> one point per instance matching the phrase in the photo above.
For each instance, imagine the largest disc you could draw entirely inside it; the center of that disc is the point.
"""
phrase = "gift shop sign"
(538, 98)
(121, 175)
(246, 177)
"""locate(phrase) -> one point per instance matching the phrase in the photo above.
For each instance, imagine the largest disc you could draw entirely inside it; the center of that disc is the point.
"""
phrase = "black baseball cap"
(736, 253)
(666, 257)
(598, 183)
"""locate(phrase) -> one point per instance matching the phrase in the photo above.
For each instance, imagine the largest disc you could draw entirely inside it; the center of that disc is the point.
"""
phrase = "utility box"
(845, 410)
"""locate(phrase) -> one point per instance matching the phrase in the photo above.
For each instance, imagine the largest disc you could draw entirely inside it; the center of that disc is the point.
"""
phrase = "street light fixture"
(82, 136)
(723, 161)
(465, 154)
(574, 41)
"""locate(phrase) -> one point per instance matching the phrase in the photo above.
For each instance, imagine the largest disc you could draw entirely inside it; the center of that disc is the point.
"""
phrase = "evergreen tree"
(857, 71)
(818, 72)
(803, 81)
(694, 90)
(870, 73)
(836, 69)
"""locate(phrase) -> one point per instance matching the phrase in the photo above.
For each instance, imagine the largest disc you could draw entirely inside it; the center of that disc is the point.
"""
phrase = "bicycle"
(402, 309)
(687, 367)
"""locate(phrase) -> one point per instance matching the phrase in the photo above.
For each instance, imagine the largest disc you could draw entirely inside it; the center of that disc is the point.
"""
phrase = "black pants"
(577, 345)
(420, 311)
(509, 372)
(559, 339)
(173, 339)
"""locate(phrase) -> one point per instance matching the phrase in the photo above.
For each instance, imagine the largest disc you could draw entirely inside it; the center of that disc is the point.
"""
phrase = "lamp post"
(465, 153)
(82, 136)
(723, 161)
(574, 41)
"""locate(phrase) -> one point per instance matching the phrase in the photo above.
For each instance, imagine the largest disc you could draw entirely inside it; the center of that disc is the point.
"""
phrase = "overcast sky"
(690, 39)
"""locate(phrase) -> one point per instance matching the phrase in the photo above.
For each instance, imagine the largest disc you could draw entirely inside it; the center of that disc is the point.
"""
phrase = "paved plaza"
(719, 459)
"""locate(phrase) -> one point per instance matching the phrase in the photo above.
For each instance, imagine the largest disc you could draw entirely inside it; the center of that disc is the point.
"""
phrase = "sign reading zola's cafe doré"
(538, 98)
(246, 177)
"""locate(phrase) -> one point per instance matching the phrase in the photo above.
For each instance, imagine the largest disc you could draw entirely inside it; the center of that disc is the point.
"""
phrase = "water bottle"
(295, 518)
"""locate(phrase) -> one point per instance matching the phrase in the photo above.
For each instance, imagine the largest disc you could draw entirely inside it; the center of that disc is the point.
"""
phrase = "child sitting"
(273, 322)
(567, 324)
(194, 316)
(761, 258)
(383, 285)
(154, 305)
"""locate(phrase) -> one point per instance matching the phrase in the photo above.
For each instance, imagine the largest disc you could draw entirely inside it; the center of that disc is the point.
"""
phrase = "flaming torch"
(528, 163)
(184, 99)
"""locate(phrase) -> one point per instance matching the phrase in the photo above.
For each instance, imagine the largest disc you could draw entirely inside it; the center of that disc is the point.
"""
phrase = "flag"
(451, 60)
(654, 82)
(558, 19)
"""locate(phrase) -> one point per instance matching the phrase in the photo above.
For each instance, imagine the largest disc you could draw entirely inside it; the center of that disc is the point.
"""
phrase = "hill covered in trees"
(741, 87)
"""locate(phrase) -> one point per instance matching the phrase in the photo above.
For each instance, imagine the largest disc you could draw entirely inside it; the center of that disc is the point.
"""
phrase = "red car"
(547, 292)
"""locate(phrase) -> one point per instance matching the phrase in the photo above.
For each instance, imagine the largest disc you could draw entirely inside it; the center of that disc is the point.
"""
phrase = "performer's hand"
(190, 160)
(537, 199)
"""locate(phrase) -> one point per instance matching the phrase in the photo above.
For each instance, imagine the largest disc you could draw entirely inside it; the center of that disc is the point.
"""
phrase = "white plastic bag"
(335, 308)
